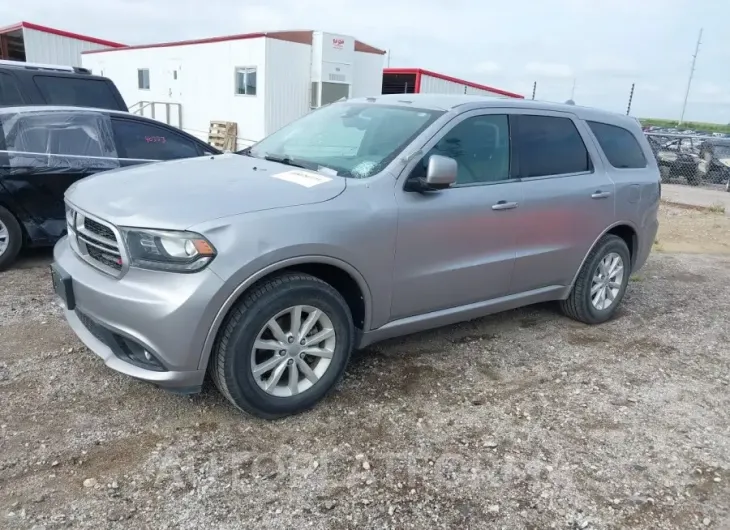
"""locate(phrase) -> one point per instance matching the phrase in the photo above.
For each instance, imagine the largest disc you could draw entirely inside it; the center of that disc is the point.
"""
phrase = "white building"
(260, 81)
(33, 43)
(420, 81)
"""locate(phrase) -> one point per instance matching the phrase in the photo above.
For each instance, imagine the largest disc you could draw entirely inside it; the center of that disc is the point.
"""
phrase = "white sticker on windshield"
(303, 178)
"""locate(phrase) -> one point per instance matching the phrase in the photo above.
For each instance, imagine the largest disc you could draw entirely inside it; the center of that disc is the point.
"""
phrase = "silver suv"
(364, 220)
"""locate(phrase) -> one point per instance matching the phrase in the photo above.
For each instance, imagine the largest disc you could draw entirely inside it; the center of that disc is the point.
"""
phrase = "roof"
(61, 33)
(465, 102)
(422, 71)
(299, 36)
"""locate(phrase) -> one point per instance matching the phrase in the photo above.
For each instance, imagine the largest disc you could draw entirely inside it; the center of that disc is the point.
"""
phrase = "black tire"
(15, 236)
(231, 362)
(578, 305)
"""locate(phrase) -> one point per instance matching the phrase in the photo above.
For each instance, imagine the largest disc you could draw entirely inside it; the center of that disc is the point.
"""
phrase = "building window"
(143, 79)
(245, 81)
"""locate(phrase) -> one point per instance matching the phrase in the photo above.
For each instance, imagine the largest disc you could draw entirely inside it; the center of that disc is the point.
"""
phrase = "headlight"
(164, 250)
(70, 217)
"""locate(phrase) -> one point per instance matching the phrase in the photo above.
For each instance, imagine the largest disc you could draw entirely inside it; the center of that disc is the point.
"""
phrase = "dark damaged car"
(44, 150)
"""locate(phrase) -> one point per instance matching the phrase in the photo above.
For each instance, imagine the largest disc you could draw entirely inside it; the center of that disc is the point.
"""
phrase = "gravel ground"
(520, 420)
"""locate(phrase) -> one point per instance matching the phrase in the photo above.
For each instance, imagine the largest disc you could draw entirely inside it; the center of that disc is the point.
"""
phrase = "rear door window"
(140, 140)
(9, 92)
(550, 145)
(76, 91)
(620, 145)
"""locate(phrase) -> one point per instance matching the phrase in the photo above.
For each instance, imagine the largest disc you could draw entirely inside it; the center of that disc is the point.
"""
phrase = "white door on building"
(173, 100)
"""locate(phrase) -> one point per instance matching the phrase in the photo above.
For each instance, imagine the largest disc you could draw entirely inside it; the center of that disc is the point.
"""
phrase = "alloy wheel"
(4, 238)
(607, 281)
(293, 351)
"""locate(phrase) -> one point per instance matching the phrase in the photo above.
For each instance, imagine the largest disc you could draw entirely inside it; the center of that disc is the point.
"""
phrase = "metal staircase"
(164, 111)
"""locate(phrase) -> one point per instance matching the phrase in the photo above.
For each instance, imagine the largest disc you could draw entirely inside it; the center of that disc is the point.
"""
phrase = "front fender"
(254, 271)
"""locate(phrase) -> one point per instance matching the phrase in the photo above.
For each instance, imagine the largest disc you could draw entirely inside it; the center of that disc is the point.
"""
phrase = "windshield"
(356, 140)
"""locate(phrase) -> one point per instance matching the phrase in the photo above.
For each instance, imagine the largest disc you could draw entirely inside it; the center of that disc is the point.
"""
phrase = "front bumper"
(166, 314)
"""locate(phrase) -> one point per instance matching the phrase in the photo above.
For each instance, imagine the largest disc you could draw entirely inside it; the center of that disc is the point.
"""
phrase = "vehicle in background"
(43, 150)
(714, 161)
(366, 219)
(24, 84)
(676, 157)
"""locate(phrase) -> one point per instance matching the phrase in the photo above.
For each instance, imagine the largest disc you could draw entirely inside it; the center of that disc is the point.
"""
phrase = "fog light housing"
(134, 353)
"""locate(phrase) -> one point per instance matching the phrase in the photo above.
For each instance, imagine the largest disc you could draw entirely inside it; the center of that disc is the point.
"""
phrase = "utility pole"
(534, 89)
(631, 97)
(388, 58)
(691, 74)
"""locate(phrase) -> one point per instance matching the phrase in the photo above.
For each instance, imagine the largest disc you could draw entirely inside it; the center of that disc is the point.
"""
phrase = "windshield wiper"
(287, 160)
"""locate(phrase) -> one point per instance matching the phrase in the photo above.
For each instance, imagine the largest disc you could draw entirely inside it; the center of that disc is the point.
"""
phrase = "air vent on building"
(338, 77)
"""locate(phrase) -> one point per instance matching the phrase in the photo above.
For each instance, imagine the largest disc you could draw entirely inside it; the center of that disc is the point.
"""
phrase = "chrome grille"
(99, 229)
(96, 241)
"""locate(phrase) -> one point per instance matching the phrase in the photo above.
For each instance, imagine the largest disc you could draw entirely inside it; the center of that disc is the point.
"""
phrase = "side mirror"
(441, 171)
(440, 174)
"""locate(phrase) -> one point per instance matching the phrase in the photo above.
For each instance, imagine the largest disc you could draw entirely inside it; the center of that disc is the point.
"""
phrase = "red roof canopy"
(60, 32)
(418, 72)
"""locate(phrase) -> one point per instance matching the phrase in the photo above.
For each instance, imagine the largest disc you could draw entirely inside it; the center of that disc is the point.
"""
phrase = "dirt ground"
(520, 420)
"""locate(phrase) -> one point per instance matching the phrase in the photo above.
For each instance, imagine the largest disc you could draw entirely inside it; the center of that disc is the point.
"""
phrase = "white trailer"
(260, 81)
(34, 43)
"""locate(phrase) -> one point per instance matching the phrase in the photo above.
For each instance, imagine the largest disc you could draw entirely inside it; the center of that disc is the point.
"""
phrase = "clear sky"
(604, 45)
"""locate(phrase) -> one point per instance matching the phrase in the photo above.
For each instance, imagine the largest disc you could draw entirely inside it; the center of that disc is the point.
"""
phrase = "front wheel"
(11, 238)
(284, 346)
(601, 282)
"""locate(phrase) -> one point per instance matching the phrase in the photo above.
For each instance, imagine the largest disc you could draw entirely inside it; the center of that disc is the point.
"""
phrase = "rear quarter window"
(76, 91)
(619, 145)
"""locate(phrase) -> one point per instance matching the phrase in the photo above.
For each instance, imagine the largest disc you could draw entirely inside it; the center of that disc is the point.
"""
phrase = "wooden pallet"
(222, 134)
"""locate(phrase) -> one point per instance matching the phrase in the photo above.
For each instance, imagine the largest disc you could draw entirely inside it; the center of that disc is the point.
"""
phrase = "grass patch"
(694, 125)
(717, 208)
(636, 278)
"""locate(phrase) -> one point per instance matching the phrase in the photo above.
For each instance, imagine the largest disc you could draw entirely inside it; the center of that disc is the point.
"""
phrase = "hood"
(182, 193)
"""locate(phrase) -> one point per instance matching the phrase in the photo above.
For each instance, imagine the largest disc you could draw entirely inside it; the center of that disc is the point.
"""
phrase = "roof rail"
(39, 66)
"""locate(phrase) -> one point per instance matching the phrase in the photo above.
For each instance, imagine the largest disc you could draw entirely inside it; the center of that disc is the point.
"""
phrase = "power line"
(691, 74)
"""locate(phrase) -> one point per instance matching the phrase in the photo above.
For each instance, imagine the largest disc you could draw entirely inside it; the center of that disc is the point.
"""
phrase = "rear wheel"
(284, 346)
(601, 282)
(11, 238)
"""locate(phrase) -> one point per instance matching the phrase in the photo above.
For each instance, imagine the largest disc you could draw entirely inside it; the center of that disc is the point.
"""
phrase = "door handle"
(504, 205)
(601, 195)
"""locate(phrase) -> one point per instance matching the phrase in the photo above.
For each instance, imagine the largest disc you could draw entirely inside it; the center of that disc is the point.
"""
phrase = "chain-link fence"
(695, 160)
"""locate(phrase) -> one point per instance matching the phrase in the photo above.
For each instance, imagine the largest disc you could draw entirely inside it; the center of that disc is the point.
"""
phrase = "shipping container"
(259, 81)
(34, 43)
(420, 81)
